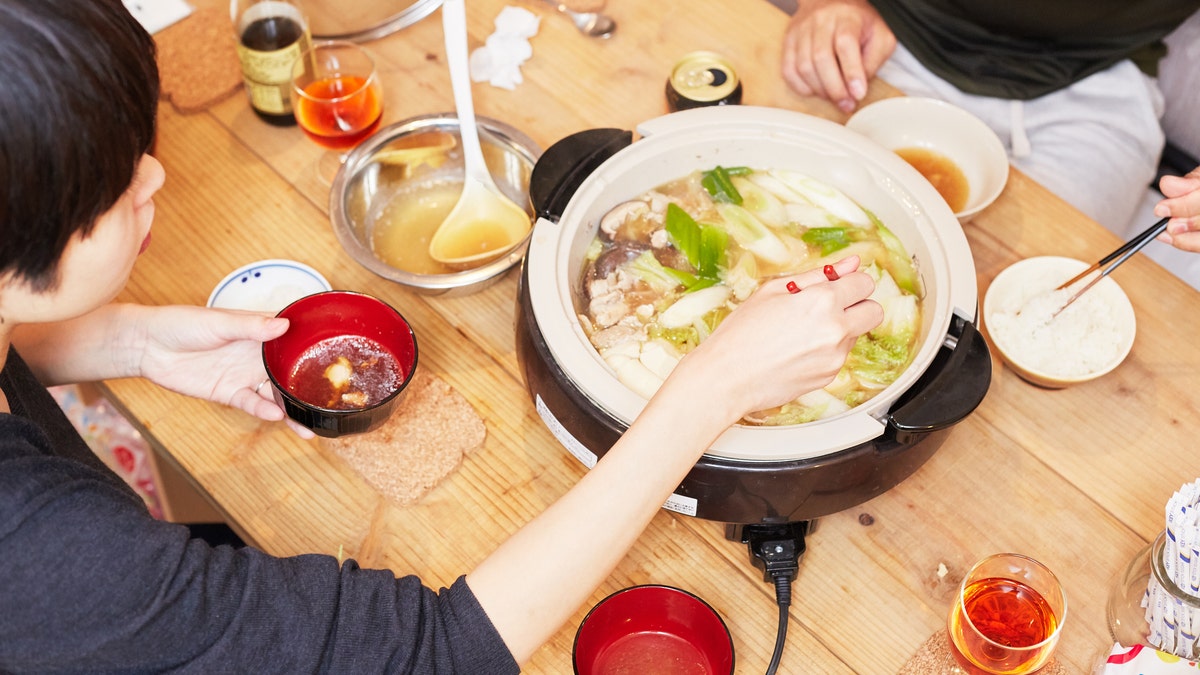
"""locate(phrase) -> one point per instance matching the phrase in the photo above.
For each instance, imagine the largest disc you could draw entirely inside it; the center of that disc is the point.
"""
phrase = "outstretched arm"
(206, 353)
(774, 347)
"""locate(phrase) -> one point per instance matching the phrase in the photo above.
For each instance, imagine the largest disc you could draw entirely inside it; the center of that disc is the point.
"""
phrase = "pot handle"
(951, 388)
(564, 166)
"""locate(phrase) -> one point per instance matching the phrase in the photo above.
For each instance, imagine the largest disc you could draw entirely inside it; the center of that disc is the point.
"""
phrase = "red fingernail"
(830, 273)
(792, 287)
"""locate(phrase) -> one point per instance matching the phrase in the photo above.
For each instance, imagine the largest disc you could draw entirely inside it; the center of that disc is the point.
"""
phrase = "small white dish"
(267, 286)
(911, 122)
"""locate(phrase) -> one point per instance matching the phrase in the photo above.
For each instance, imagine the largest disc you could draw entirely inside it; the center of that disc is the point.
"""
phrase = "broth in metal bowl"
(397, 187)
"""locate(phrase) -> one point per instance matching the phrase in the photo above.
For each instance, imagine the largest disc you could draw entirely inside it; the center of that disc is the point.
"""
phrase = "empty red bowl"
(653, 629)
(324, 326)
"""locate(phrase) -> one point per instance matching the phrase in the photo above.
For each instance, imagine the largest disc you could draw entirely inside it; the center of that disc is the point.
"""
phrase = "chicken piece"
(615, 335)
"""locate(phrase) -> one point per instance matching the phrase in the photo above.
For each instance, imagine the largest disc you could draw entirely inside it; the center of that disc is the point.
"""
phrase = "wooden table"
(1077, 478)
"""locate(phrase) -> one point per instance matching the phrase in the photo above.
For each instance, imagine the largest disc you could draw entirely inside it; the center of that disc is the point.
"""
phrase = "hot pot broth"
(667, 267)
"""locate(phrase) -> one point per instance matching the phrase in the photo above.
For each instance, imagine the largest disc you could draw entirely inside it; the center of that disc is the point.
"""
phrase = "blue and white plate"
(267, 286)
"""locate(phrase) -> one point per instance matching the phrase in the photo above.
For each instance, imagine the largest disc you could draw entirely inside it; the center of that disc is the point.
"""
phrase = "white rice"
(1086, 337)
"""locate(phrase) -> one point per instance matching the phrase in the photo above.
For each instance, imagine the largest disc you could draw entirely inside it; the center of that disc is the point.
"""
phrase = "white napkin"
(499, 60)
(155, 15)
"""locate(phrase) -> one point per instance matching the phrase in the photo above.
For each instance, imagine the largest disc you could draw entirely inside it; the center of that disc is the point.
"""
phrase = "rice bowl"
(1086, 340)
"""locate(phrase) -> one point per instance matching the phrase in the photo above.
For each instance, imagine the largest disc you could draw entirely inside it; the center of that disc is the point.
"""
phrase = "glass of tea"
(338, 99)
(1008, 616)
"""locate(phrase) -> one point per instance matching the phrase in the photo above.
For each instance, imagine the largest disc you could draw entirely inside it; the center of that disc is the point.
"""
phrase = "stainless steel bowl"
(364, 186)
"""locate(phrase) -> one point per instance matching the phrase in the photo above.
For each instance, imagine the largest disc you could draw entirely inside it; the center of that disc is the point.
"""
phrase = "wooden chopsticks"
(1113, 260)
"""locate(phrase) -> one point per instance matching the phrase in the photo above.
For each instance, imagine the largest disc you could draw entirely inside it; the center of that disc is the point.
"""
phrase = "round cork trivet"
(935, 658)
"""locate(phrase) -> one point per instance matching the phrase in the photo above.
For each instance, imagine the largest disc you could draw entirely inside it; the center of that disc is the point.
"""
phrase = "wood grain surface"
(1077, 478)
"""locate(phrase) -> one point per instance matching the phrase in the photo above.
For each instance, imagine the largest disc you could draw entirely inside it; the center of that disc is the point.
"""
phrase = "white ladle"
(484, 223)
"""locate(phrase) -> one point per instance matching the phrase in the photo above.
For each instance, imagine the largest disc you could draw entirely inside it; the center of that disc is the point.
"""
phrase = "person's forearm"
(533, 583)
(89, 348)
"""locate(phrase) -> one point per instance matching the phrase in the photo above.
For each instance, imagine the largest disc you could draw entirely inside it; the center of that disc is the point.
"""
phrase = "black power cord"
(776, 550)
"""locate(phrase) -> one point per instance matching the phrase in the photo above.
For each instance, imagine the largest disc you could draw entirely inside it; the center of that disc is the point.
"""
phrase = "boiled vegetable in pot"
(668, 266)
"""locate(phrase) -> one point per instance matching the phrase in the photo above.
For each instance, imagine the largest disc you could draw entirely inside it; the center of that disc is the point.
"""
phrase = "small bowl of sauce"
(343, 364)
(653, 629)
(955, 151)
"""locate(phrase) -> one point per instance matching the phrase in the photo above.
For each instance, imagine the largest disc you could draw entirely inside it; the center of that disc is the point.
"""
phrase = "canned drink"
(703, 79)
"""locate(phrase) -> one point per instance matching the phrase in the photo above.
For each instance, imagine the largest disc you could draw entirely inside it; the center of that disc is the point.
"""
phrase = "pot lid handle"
(951, 388)
(564, 166)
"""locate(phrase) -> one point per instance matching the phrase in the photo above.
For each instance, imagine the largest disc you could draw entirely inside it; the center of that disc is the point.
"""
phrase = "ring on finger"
(260, 385)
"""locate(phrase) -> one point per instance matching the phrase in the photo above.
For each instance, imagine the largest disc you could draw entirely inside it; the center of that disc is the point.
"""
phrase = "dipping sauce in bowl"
(952, 148)
(345, 372)
(343, 364)
(653, 629)
(1088, 339)
(941, 172)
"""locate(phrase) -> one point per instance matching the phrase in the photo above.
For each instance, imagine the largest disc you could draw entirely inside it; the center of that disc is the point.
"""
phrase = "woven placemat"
(423, 441)
(197, 60)
(935, 658)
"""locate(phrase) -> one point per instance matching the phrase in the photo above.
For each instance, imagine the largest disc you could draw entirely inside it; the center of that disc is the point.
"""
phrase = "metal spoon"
(591, 24)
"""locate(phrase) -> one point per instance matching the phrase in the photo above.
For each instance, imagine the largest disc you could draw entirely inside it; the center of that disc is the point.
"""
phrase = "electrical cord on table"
(783, 596)
(776, 550)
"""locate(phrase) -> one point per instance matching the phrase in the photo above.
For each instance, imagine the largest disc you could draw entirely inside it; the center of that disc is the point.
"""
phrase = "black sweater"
(1023, 49)
(90, 582)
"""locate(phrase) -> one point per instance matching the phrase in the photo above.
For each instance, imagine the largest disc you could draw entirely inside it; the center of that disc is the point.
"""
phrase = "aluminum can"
(702, 79)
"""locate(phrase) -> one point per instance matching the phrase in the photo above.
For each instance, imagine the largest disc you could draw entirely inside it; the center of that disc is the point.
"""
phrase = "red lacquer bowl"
(335, 314)
(653, 628)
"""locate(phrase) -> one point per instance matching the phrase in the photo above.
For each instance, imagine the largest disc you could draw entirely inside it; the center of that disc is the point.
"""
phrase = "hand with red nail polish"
(787, 339)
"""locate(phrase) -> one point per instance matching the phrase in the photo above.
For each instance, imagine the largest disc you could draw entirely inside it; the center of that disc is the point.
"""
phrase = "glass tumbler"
(1007, 617)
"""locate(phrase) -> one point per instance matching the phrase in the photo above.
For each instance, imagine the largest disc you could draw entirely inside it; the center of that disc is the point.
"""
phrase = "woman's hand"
(833, 47)
(1183, 206)
(778, 345)
(211, 354)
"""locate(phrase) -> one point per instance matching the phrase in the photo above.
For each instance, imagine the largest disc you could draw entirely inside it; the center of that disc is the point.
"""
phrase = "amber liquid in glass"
(1012, 617)
(339, 111)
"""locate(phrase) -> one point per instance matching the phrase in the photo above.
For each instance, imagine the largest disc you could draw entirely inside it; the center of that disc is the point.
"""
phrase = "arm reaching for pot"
(774, 347)
(833, 47)
(1183, 206)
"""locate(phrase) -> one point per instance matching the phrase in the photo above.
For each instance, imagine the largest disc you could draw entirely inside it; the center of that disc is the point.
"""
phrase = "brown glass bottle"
(271, 35)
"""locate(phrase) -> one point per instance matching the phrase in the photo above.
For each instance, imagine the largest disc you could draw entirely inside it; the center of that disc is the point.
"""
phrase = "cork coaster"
(935, 658)
(197, 60)
(424, 440)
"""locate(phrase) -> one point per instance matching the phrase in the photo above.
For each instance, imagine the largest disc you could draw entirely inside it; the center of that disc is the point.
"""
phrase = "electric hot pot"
(751, 475)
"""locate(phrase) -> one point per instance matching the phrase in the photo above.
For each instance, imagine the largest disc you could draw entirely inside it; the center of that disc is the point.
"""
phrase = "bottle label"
(268, 76)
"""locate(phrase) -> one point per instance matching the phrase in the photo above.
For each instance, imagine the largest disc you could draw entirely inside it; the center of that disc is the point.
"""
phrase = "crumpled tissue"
(499, 60)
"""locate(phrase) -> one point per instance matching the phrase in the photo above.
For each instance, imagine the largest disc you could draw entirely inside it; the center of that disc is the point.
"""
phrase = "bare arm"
(773, 348)
(205, 353)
